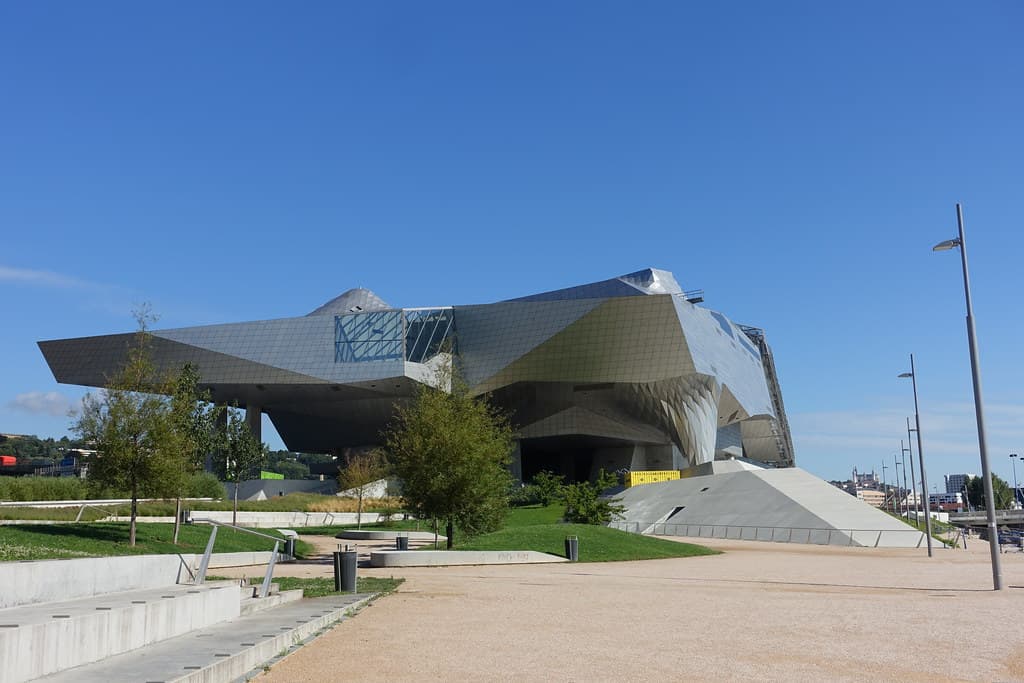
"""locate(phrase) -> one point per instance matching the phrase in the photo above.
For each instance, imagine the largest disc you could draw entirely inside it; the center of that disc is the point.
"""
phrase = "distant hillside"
(31, 447)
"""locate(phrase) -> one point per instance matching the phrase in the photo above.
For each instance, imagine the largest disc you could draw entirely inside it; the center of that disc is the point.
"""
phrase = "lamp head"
(947, 245)
(905, 374)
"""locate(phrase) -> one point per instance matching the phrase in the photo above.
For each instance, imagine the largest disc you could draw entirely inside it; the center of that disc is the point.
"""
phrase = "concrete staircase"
(214, 632)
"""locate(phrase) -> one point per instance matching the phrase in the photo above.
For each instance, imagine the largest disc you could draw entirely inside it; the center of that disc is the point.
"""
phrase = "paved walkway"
(760, 611)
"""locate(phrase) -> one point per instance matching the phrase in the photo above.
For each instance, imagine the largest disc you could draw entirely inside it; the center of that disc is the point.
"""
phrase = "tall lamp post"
(972, 341)
(913, 477)
(920, 455)
(884, 492)
(1013, 463)
(906, 489)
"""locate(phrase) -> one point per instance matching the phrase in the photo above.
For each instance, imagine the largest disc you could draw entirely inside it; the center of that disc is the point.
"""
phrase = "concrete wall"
(444, 558)
(286, 520)
(26, 583)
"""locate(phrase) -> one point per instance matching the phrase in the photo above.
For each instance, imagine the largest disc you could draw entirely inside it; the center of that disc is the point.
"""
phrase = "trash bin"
(289, 547)
(345, 570)
(401, 542)
(572, 548)
(185, 513)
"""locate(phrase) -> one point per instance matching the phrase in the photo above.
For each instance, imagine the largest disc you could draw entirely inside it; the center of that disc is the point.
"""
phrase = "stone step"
(224, 652)
(250, 605)
(40, 639)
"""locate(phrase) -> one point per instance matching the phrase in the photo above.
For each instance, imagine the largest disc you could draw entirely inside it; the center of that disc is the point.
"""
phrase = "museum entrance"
(576, 457)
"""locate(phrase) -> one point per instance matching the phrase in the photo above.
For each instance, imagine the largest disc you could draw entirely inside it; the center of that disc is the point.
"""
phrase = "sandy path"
(759, 612)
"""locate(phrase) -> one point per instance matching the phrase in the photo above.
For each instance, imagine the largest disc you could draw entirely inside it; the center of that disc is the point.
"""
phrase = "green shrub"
(584, 504)
(42, 488)
(204, 485)
(523, 494)
(549, 487)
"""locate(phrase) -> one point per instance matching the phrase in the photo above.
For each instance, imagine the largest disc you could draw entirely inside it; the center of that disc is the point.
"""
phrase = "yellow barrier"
(650, 477)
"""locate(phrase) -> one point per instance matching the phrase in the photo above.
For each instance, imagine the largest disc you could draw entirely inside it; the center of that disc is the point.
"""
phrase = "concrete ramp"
(783, 505)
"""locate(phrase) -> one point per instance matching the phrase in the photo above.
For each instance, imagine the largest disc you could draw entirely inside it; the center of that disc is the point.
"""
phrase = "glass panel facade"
(415, 335)
(361, 337)
(426, 332)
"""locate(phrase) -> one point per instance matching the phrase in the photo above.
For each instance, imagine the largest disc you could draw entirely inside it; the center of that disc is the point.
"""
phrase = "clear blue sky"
(797, 160)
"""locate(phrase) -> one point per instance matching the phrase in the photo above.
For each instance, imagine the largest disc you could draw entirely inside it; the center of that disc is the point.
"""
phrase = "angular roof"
(646, 281)
(355, 300)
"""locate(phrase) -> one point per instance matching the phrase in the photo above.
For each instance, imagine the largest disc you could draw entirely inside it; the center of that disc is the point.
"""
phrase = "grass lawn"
(596, 543)
(43, 542)
(530, 515)
(319, 587)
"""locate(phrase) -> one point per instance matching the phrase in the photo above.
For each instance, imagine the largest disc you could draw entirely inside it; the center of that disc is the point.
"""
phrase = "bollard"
(401, 543)
(349, 559)
(572, 548)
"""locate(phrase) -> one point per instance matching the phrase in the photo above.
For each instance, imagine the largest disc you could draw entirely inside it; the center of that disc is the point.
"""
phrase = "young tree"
(194, 419)
(451, 452)
(243, 454)
(361, 470)
(131, 427)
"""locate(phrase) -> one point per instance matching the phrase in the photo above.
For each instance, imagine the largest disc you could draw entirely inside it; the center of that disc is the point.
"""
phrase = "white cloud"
(40, 403)
(43, 278)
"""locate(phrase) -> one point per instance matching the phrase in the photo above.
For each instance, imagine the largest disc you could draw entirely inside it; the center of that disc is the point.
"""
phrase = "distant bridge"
(1008, 517)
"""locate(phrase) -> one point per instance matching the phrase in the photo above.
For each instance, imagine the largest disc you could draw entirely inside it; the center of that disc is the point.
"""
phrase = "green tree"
(549, 486)
(585, 505)
(1002, 491)
(361, 470)
(194, 434)
(451, 452)
(244, 454)
(131, 427)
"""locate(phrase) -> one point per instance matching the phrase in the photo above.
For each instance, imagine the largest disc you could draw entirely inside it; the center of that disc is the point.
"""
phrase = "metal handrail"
(205, 562)
(81, 509)
(760, 533)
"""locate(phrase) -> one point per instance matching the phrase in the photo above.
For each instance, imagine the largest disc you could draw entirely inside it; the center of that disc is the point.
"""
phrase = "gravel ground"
(761, 611)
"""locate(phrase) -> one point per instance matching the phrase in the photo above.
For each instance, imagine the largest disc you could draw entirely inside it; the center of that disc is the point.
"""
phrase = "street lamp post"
(972, 341)
(1013, 463)
(906, 490)
(884, 492)
(913, 477)
(920, 455)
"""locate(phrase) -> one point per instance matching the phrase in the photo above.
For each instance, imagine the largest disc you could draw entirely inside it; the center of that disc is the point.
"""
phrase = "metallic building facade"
(624, 373)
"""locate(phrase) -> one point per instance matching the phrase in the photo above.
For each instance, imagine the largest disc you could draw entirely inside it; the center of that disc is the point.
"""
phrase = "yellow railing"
(650, 477)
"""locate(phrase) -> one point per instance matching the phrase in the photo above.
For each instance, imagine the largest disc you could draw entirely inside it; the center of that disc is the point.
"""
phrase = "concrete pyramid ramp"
(783, 505)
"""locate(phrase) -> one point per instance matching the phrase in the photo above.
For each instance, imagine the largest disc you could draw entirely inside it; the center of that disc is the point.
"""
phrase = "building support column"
(254, 419)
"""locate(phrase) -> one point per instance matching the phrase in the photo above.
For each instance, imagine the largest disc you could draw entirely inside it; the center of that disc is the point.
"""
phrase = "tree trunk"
(234, 508)
(177, 519)
(359, 510)
(135, 513)
(449, 529)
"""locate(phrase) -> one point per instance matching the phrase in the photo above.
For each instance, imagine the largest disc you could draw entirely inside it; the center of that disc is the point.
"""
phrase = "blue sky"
(797, 160)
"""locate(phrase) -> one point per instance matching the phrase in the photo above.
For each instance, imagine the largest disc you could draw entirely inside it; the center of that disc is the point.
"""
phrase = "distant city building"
(946, 501)
(870, 480)
(872, 497)
(955, 483)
